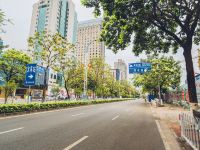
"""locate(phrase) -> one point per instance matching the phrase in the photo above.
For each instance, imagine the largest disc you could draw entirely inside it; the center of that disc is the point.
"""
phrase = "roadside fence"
(190, 130)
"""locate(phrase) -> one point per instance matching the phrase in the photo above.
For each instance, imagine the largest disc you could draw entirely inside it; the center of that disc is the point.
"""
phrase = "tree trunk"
(6, 96)
(45, 85)
(190, 73)
(93, 94)
(67, 91)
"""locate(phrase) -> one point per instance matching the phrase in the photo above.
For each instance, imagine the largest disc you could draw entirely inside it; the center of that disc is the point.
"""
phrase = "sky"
(20, 12)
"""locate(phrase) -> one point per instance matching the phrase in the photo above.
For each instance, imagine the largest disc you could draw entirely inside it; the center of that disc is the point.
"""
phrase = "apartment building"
(88, 35)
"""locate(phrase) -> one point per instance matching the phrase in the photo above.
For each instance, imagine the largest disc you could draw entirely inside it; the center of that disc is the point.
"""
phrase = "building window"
(54, 76)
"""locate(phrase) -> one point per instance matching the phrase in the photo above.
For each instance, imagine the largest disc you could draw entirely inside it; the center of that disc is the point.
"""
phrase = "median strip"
(11, 130)
(9, 109)
(75, 143)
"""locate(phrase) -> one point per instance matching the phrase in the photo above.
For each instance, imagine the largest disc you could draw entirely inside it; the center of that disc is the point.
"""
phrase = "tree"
(165, 73)
(3, 21)
(48, 49)
(96, 74)
(71, 71)
(8, 88)
(158, 26)
(12, 68)
(77, 81)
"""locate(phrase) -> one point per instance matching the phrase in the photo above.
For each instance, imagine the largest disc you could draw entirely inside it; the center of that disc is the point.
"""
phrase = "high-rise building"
(87, 36)
(55, 16)
(121, 65)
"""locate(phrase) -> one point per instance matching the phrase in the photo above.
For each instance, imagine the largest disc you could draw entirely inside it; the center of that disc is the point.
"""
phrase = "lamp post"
(85, 69)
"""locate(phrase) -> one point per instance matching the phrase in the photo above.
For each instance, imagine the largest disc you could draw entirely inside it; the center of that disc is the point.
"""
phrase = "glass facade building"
(42, 18)
(75, 29)
(64, 11)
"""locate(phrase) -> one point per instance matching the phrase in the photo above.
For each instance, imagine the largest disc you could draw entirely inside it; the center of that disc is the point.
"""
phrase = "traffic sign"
(139, 68)
(30, 74)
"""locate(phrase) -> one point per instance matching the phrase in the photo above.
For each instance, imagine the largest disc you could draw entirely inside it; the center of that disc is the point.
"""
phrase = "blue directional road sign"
(139, 68)
(30, 74)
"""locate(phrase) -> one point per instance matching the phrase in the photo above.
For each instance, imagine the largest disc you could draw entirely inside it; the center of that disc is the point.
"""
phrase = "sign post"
(30, 78)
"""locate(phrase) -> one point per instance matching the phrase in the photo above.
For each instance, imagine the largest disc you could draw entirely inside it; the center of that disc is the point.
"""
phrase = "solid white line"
(11, 130)
(162, 136)
(77, 114)
(75, 143)
(115, 118)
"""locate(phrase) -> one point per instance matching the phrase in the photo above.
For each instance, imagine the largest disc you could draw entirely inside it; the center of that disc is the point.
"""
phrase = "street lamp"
(85, 69)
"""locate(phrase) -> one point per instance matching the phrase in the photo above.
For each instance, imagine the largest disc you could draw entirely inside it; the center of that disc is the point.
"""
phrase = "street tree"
(48, 49)
(70, 70)
(12, 69)
(76, 80)
(165, 73)
(3, 21)
(96, 74)
(152, 26)
(126, 89)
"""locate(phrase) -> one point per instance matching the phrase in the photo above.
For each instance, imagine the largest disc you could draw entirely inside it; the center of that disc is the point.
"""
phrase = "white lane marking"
(77, 114)
(162, 136)
(75, 143)
(115, 118)
(11, 130)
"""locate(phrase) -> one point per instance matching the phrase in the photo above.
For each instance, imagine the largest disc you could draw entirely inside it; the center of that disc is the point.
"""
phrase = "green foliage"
(3, 21)
(14, 108)
(165, 72)
(152, 27)
(157, 25)
(55, 91)
(97, 74)
(71, 72)
(75, 79)
(51, 50)
(8, 88)
(103, 84)
(12, 69)
(13, 65)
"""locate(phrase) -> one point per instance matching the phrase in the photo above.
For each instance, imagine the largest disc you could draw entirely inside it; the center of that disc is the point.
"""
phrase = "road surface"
(115, 126)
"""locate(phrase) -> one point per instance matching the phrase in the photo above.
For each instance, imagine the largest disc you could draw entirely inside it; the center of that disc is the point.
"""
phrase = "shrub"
(15, 108)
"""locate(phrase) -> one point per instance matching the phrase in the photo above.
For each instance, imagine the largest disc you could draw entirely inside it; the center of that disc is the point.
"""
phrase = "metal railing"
(190, 130)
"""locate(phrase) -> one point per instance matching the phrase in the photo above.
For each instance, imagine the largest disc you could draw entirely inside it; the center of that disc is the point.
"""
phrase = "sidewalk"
(167, 120)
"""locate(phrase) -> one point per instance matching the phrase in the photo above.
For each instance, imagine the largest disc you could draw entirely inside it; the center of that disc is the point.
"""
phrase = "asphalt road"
(114, 126)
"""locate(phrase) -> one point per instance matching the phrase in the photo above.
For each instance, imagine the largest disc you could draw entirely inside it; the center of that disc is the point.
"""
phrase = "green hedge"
(16, 108)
